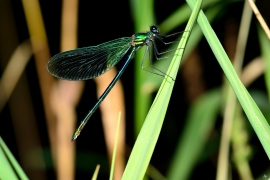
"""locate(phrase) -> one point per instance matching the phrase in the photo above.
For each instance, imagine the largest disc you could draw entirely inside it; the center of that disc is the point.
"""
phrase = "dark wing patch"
(88, 62)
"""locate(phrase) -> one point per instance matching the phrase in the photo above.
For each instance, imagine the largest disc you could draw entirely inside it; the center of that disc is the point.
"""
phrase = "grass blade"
(147, 139)
(9, 167)
(252, 111)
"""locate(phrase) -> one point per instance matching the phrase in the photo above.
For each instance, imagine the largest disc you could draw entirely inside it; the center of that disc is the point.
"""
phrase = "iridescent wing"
(88, 62)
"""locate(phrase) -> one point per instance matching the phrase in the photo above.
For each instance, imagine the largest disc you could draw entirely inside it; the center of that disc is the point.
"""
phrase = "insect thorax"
(138, 39)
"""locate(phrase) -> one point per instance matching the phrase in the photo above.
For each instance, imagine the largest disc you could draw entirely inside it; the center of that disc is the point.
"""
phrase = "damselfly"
(90, 62)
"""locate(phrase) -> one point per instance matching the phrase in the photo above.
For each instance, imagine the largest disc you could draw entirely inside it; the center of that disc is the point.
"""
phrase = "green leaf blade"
(256, 118)
(147, 139)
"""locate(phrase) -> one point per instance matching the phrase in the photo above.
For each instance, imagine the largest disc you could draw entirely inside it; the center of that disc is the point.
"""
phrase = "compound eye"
(154, 29)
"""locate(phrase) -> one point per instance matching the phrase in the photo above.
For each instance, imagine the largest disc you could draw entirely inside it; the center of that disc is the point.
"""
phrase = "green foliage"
(9, 167)
(147, 138)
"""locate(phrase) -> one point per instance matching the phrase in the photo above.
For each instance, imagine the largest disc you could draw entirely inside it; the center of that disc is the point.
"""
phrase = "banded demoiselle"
(90, 62)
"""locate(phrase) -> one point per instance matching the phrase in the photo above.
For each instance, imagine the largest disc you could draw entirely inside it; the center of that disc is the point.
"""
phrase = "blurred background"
(39, 113)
